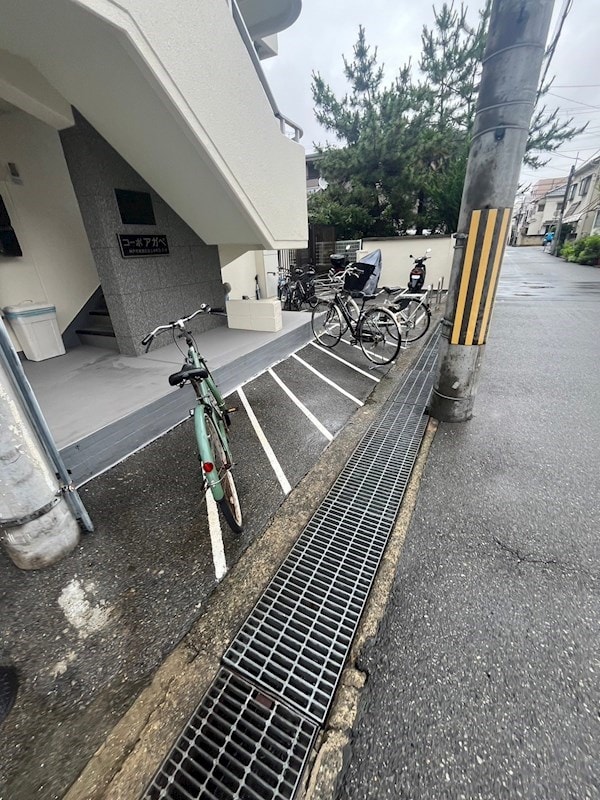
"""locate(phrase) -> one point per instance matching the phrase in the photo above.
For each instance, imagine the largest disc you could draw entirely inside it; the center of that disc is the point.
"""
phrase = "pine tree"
(403, 148)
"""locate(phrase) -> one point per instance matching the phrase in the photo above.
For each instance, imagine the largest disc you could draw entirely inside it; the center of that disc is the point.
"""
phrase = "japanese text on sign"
(134, 246)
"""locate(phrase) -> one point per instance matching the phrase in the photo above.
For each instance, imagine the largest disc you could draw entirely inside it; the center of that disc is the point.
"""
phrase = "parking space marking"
(216, 537)
(343, 361)
(302, 407)
(350, 344)
(328, 380)
(273, 460)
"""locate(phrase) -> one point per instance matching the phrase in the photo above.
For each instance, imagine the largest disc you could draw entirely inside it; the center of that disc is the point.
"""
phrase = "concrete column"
(36, 525)
(511, 70)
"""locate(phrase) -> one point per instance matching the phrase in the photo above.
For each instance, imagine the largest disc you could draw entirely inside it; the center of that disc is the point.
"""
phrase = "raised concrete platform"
(101, 406)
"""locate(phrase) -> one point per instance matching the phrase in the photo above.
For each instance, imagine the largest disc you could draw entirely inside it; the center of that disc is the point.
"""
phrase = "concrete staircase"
(97, 330)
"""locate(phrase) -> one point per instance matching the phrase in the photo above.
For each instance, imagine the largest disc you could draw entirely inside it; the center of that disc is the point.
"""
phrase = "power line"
(567, 5)
(572, 100)
(576, 85)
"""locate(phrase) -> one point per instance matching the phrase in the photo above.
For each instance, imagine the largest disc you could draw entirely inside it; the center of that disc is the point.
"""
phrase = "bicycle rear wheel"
(378, 335)
(415, 320)
(295, 300)
(284, 296)
(229, 503)
(327, 323)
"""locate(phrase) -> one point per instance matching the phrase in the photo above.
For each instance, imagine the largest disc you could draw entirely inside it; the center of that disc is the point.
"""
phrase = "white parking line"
(302, 407)
(345, 341)
(285, 484)
(216, 537)
(328, 381)
(347, 363)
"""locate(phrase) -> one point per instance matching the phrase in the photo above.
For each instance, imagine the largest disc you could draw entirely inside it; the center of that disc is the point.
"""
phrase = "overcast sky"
(326, 29)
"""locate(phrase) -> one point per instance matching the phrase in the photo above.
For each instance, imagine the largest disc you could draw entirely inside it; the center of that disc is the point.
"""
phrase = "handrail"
(247, 39)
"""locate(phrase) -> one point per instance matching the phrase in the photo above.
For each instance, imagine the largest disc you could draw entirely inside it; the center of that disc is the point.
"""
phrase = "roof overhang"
(265, 17)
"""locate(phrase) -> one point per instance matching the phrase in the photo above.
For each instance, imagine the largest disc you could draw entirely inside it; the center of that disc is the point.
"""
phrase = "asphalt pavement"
(483, 679)
(88, 634)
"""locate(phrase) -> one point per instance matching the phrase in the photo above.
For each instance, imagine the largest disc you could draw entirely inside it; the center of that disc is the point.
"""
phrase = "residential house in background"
(143, 160)
(537, 212)
(582, 210)
(314, 181)
(546, 211)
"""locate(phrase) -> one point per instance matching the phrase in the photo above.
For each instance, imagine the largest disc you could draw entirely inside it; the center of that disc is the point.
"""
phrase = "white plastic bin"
(35, 326)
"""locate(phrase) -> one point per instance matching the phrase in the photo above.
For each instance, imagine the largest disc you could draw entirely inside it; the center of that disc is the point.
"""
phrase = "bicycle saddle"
(186, 374)
(362, 295)
(391, 289)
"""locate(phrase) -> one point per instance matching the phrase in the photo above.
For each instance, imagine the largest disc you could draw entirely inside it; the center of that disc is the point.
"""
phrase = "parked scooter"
(416, 279)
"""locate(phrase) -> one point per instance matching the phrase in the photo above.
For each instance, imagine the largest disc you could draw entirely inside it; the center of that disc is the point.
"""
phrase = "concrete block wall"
(140, 293)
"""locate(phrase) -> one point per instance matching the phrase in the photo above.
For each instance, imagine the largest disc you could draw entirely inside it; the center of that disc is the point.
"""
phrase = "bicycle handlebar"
(179, 323)
(351, 269)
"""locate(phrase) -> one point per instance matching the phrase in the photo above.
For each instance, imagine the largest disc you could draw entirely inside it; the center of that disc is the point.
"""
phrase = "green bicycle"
(211, 419)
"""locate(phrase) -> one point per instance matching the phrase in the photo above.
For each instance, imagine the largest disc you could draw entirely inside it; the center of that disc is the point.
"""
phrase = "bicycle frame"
(210, 400)
(423, 301)
(343, 309)
(211, 420)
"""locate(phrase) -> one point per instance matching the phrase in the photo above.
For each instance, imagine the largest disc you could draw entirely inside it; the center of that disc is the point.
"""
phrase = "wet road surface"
(483, 679)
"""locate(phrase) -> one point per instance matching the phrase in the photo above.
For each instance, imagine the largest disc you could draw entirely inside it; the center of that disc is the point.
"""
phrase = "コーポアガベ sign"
(135, 246)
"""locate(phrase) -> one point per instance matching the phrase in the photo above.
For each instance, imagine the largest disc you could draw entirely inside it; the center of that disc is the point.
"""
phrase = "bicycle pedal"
(232, 410)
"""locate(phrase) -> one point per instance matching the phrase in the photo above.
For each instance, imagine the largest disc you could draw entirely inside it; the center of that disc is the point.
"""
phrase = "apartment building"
(143, 159)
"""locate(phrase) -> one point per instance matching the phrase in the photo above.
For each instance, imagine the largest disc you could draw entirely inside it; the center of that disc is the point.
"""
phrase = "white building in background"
(143, 160)
(544, 212)
(582, 209)
(536, 212)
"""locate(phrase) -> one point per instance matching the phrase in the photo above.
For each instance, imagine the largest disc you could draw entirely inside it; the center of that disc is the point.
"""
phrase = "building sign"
(135, 246)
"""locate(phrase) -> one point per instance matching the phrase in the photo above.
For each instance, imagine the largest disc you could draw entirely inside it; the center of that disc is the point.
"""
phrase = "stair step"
(98, 338)
(99, 312)
(95, 331)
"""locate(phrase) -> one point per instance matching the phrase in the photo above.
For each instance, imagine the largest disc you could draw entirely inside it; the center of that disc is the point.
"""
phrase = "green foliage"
(451, 64)
(583, 251)
(401, 151)
(547, 133)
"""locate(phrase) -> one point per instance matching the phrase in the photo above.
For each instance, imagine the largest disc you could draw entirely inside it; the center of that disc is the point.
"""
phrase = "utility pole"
(558, 231)
(511, 69)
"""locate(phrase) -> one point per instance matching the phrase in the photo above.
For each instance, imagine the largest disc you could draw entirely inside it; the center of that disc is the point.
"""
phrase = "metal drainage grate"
(295, 641)
(239, 744)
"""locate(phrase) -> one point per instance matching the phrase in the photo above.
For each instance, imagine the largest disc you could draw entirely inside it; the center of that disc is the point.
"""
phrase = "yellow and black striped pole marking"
(486, 239)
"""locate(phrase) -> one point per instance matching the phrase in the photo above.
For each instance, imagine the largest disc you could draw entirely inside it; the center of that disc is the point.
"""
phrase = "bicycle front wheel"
(352, 309)
(326, 322)
(229, 503)
(378, 335)
(415, 320)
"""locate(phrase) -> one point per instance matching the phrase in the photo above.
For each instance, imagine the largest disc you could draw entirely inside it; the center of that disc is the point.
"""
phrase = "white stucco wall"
(397, 263)
(173, 89)
(57, 264)
(23, 86)
(239, 268)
